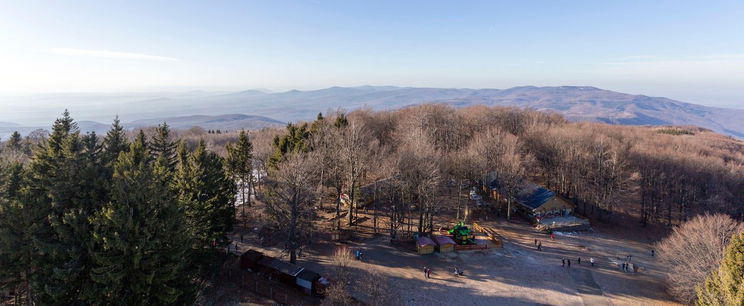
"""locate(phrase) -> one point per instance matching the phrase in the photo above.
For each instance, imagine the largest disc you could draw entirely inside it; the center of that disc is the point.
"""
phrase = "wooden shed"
(249, 259)
(307, 281)
(281, 270)
(444, 244)
(424, 245)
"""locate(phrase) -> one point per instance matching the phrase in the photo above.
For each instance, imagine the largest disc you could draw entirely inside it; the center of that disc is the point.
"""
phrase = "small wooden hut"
(249, 259)
(444, 244)
(308, 281)
(424, 245)
(281, 270)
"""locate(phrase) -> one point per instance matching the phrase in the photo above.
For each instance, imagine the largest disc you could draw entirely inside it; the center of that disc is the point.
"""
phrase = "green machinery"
(462, 234)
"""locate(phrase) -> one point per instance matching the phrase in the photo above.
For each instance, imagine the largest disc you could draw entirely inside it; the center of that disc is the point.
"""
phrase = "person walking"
(563, 262)
(579, 261)
(569, 263)
(622, 267)
(426, 270)
(539, 246)
(591, 260)
(428, 273)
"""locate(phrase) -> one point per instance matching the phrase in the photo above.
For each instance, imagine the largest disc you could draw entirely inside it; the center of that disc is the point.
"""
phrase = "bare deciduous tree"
(694, 250)
(290, 195)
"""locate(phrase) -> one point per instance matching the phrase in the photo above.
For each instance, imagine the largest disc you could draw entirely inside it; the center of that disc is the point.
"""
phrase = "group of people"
(427, 272)
(538, 244)
(567, 262)
(456, 271)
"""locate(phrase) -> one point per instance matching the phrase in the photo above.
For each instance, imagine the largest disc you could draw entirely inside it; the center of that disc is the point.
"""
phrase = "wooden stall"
(444, 244)
(424, 245)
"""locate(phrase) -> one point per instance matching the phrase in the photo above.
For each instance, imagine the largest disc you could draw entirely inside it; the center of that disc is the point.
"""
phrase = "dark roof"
(308, 275)
(534, 196)
(530, 194)
(252, 255)
(281, 266)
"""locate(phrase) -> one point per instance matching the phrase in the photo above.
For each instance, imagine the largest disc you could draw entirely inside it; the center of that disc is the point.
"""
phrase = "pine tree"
(139, 240)
(240, 166)
(15, 229)
(726, 286)
(15, 143)
(208, 195)
(56, 191)
(295, 141)
(163, 147)
(114, 143)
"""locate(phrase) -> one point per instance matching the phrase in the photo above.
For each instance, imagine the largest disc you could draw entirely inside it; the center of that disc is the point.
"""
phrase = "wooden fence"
(491, 233)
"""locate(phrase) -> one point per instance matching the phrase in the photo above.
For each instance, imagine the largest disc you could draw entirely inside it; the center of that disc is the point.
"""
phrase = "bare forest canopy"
(662, 175)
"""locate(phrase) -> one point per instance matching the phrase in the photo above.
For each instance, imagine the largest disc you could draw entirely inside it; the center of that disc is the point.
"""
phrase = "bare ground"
(517, 274)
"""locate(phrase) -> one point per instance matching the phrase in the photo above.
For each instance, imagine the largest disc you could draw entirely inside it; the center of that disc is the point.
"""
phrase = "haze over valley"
(211, 110)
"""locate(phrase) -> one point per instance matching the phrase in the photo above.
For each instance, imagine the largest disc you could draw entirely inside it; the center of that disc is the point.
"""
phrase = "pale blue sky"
(686, 50)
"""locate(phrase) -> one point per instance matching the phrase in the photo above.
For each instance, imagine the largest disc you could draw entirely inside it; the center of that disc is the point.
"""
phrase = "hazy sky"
(687, 50)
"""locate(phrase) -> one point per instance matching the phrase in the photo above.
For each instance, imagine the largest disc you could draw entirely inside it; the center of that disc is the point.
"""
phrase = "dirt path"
(517, 274)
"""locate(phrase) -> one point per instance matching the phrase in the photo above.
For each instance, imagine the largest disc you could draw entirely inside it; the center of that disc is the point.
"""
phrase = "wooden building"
(424, 245)
(444, 244)
(532, 199)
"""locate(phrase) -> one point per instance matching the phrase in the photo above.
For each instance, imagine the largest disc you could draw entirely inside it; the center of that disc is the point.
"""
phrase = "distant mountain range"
(230, 122)
(575, 102)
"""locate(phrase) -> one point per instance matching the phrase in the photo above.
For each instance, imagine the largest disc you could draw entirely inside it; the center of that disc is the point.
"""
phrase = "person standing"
(591, 260)
(579, 261)
(539, 246)
(428, 273)
(535, 241)
(653, 252)
(563, 262)
(569, 262)
(425, 272)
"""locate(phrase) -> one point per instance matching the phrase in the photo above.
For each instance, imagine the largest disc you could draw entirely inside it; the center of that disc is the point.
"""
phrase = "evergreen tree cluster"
(90, 221)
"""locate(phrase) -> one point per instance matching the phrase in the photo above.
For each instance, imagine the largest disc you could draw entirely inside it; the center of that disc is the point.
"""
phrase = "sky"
(691, 51)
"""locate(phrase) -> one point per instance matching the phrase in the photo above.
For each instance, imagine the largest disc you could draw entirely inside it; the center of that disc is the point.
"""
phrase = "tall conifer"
(139, 239)
(208, 195)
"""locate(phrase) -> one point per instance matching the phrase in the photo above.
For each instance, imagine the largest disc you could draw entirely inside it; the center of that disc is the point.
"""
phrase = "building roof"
(424, 241)
(281, 266)
(308, 275)
(530, 194)
(443, 240)
(534, 196)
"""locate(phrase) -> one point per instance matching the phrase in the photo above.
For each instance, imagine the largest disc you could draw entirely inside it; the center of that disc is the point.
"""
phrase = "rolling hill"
(575, 102)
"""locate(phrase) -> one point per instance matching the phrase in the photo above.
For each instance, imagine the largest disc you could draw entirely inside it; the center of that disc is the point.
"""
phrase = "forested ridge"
(662, 175)
(138, 217)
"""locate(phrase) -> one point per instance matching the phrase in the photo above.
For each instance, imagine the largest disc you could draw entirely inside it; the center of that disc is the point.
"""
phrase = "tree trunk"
(374, 218)
(351, 205)
(508, 208)
(459, 198)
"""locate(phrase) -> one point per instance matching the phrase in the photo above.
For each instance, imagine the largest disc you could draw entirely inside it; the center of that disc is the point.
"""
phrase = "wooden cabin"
(533, 199)
(279, 270)
(249, 259)
(308, 281)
